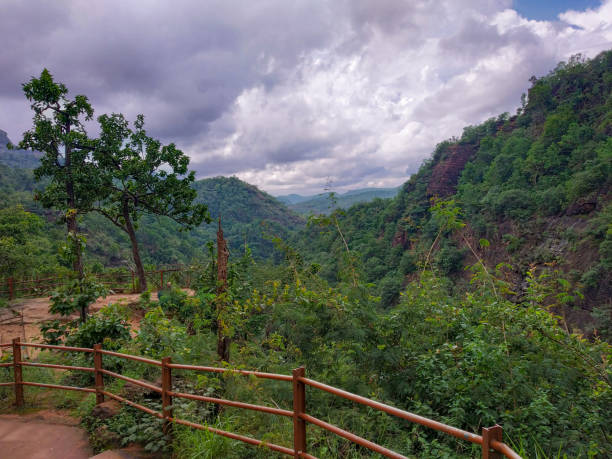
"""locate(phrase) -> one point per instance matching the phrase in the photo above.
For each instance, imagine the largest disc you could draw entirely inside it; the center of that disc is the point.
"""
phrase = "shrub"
(108, 327)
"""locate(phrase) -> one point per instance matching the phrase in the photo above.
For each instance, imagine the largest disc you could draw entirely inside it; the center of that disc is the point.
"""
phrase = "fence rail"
(490, 440)
(12, 288)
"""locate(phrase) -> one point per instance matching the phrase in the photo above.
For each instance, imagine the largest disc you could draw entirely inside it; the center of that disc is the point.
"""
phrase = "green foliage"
(475, 362)
(108, 327)
(76, 295)
(202, 444)
(173, 301)
(159, 336)
(22, 245)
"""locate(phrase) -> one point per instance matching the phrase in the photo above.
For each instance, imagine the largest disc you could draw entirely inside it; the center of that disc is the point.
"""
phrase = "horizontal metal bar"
(504, 449)
(60, 367)
(4, 365)
(257, 374)
(464, 435)
(7, 384)
(352, 437)
(233, 436)
(134, 404)
(55, 386)
(221, 401)
(132, 357)
(6, 344)
(133, 381)
(306, 455)
(59, 348)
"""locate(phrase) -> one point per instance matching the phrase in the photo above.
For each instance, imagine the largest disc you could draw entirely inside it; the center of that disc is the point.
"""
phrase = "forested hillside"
(531, 190)
(17, 158)
(248, 215)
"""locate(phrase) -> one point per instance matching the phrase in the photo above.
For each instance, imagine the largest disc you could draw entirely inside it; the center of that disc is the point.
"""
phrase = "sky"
(295, 95)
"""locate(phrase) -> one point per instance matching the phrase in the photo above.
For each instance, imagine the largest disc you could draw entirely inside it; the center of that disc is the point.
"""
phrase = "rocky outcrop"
(582, 206)
(400, 239)
(445, 174)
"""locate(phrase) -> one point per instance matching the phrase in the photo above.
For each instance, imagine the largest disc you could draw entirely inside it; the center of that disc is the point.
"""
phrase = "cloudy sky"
(292, 94)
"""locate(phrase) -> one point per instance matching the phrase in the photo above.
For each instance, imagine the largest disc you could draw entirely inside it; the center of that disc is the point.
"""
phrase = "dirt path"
(23, 317)
(43, 435)
(50, 434)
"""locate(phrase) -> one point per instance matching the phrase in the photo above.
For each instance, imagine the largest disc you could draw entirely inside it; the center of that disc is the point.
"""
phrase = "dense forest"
(480, 294)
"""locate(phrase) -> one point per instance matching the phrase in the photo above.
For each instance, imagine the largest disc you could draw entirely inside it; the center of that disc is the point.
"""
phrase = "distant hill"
(247, 213)
(321, 203)
(22, 159)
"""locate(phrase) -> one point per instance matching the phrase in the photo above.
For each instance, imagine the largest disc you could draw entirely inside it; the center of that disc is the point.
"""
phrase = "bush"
(159, 336)
(511, 203)
(178, 304)
(389, 288)
(450, 258)
(108, 327)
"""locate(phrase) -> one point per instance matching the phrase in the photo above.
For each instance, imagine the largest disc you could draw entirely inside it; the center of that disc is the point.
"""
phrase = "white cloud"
(288, 95)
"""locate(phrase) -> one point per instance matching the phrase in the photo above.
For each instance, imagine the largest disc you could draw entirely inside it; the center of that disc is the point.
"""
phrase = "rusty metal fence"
(119, 281)
(490, 440)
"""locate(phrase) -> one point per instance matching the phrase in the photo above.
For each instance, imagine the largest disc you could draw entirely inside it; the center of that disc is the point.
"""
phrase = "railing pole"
(166, 397)
(299, 407)
(17, 371)
(11, 288)
(488, 434)
(98, 372)
(161, 279)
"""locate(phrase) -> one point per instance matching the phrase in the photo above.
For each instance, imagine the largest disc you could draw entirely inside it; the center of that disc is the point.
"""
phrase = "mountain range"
(324, 203)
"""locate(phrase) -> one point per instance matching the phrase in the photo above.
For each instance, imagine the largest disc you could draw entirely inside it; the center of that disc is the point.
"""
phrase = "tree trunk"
(129, 229)
(71, 217)
(223, 342)
(72, 224)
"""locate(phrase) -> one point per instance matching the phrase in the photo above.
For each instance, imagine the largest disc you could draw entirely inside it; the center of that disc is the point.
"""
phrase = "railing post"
(17, 371)
(488, 434)
(11, 288)
(299, 407)
(161, 279)
(98, 373)
(166, 397)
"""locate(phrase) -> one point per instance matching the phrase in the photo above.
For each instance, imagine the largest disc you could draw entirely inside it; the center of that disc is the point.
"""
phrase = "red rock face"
(400, 238)
(446, 173)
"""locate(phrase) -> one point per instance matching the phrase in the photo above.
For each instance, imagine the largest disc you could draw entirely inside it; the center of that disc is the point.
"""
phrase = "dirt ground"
(23, 316)
(42, 435)
(53, 434)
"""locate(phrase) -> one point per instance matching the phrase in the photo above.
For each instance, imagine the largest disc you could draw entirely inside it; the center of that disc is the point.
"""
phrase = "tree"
(139, 175)
(223, 340)
(58, 133)
(19, 240)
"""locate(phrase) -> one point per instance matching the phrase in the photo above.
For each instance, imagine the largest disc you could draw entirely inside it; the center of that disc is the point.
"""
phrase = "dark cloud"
(289, 94)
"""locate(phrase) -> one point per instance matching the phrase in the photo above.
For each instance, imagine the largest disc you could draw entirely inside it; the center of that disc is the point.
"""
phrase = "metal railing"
(12, 288)
(490, 440)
